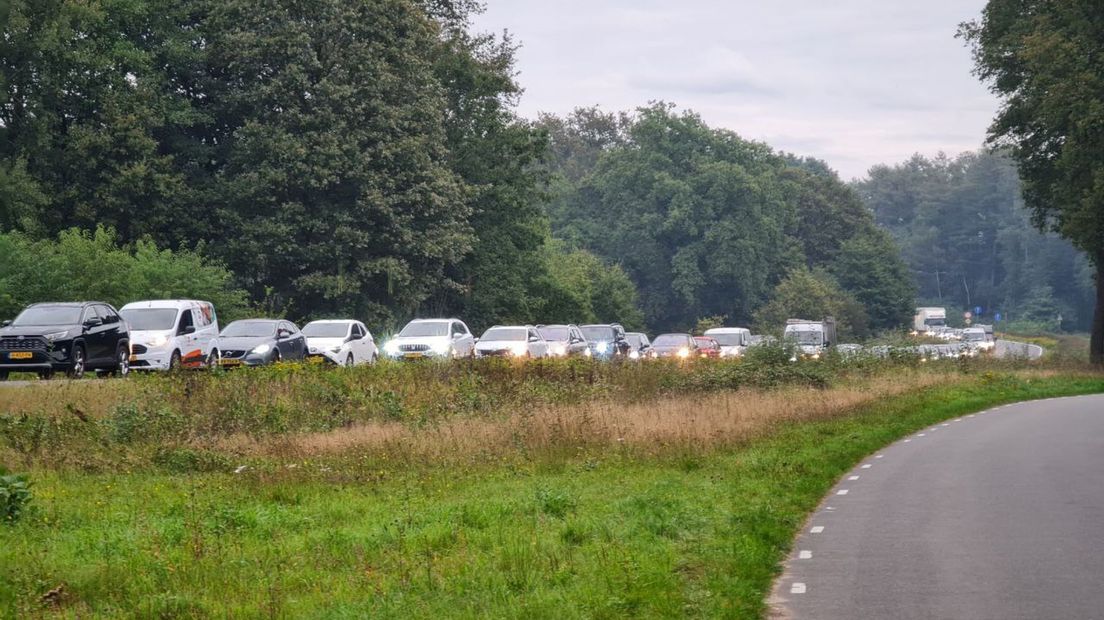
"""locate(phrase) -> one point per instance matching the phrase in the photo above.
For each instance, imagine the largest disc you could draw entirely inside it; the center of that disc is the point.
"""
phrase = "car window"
(186, 320)
(459, 328)
(89, 313)
(533, 334)
(104, 313)
(358, 333)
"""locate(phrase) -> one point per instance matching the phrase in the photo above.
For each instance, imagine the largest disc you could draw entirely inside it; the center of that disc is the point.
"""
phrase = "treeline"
(969, 242)
(363, 158)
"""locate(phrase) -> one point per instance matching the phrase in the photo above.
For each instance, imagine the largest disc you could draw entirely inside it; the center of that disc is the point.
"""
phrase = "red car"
(707, 347)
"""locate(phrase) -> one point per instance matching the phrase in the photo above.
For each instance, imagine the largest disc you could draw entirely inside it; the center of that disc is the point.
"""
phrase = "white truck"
(928, 321)
(810, 337)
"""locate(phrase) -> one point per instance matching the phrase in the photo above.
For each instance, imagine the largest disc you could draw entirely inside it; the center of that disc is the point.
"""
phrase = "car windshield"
(249, 329)
(727, 340)
(671, 340)
(635, 340)
(423, 329)
(326, 330)
(555, 333)
(598, 333)
(150, 319)
(804, 336)
(49, 315)
(706, 343)
(974, 336)
(936, 322)
(505, 333)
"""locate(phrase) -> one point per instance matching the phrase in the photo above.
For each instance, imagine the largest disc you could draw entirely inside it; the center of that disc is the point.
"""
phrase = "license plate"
(20, 355)
(230, 362)
(414, 356)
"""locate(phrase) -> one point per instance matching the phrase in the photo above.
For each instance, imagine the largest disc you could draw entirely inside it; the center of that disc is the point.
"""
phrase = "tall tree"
(1045, 59)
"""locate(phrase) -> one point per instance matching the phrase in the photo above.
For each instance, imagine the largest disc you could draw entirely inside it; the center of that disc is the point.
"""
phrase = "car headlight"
(602, 347)
(391, 348)
(440, 348)
(815, 356)
(56, 336)
(559, 350)
(684, 352)
(261, 349)
(634, 355)
(159, 341)
(519, 350)
(587, 352)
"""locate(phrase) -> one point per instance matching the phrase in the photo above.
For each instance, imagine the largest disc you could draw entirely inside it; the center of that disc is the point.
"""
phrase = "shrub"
(15, 495)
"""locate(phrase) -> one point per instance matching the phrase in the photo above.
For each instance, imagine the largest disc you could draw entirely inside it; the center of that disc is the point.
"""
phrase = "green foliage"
(15, 495)
(868, 267)
(964, 234)
(82, 265)
(581, 289)
(806, 294)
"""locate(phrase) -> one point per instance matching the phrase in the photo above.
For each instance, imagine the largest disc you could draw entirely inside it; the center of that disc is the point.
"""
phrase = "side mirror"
(283, 333)
(93, 322)
(457, 336)
(5, 323)
(187, 329)
(534, 339)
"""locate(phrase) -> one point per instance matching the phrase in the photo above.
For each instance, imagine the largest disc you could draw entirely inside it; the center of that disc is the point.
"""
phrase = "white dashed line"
(922, 435)
(947, 424)
(805, 555)
(817, 529)
(853, 478)
(841, 492)
(867, 466)
(797, 588)
(829, 508)
(970, 416)
(908, 441)
(879, 456)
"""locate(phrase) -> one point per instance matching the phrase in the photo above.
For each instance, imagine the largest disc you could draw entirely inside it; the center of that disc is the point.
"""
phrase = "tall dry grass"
(698, 422)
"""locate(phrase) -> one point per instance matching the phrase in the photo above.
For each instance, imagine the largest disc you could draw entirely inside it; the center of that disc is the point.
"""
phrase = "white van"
(734, 341)
(170, 334)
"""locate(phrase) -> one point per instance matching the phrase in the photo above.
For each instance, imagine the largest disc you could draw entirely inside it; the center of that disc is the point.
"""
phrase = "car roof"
(334, 321)
(259, 321)
(163, 303)
(727, 330)
(67, 304)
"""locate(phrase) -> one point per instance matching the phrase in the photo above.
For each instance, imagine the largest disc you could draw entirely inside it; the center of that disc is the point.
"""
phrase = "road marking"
(867, 466)
(880, 456)
(841, 492)
(817, 529)
(947, 424)
(922, 435)
(805, 555)
(853, 478)
(829, 508)
(908, 441)
(970, 416)
(797, 588)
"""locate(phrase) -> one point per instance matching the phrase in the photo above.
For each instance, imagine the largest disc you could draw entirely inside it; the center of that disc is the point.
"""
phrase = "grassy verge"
(612, 531)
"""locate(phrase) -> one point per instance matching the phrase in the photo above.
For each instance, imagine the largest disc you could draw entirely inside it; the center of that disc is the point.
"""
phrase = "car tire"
(122, 362)
(212, 359)
(174, 361)
(350, 361)
(77, 367)
(45, 375)
(276, 357)
(3, 375)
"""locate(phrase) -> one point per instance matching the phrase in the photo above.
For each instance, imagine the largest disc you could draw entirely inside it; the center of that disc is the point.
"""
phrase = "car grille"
(137, 349)
(413, 348)
(497, 353)
(32, 343)
(232, 354)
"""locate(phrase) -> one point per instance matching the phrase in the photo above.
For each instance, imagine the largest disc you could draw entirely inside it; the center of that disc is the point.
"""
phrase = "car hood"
(489, 345)
(146, 335)
(244, 343)
(426, 340)
(325, 343)
(37, 330)
(809, 349)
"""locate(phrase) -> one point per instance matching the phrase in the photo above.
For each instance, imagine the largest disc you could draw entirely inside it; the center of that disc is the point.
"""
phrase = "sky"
(853, 82)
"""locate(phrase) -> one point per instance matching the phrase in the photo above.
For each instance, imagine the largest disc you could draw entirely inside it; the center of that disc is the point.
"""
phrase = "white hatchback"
(172, 333)
(521, 341)
(342, 342)
(432, 338)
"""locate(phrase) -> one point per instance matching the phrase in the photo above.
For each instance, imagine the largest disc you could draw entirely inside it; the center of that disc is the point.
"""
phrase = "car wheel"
(122, 362)
(213, 359)
(45, 375)
(76, 368)
(349, 361)
(3, 375)
(174, 361)
(277, 358)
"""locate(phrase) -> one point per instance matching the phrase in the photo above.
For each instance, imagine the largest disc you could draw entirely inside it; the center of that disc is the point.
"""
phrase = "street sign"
(977, 310)
(997, 317)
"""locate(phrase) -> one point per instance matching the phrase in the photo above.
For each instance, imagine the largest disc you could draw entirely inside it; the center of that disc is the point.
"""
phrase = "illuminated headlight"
(684, 353)
(391, 348)
(158, 341)
(559, 350)
(815, 356)
(602, 347)
(519, 350)
(587, 352)
(440, 348)
(56, 336)
(261, 349)
(634, 355)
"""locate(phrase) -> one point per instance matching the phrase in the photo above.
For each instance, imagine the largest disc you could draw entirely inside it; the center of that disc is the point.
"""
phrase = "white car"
(169, 334)
(342, 342)
(432, 338)
(522, 341)
(734, 341)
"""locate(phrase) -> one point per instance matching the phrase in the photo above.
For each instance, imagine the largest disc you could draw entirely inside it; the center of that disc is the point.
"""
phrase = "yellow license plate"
(414, 356)
(230, 362)
(20, 355)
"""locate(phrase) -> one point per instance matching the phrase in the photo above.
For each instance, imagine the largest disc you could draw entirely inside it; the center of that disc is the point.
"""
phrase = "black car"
(607, 341)
(258, 342)
(68, 337)
(641, 346)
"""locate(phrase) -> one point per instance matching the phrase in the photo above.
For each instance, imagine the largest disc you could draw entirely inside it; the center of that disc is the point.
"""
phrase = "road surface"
(998, 515)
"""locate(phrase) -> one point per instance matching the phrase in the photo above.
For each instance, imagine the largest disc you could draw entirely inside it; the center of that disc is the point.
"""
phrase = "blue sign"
(977, 310)
(997, 317)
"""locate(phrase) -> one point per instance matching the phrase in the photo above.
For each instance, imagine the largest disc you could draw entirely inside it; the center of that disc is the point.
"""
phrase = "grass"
(583, 525)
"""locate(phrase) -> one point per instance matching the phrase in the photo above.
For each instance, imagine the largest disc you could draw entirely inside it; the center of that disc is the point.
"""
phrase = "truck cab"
(810, 338)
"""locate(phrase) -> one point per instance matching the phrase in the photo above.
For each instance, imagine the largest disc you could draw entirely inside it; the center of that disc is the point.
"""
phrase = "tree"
(812, 295)
(868, 266)
(1043, 59)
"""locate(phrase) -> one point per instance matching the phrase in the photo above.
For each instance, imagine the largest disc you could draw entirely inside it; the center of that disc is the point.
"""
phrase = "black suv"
(607, 341)
(70, 337)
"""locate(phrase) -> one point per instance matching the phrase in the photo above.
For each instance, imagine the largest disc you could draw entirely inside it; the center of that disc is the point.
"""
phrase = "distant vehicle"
(928, 319)
(810, 337)
(521, 341)
(169, 334)
(707, 347)
(682, 346)
(849, 350)
(259, 342)
(759, 340)
(343, 342)
(432, 338)
(565, 340)
(977, 338)
(734, 341)
(606, 341)
(65, 337)
(641, 346)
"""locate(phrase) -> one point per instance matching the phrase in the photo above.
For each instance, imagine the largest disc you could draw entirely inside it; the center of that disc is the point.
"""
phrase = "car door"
(369, 344)
(94, 337)
(115, 331)
(361, 344)
(463, 342)
(284, 340)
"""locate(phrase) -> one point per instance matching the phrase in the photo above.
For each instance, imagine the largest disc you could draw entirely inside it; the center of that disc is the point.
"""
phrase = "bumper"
(153, 360)
(416, 355)
(38, 361)
(324, 357)
(247, 360)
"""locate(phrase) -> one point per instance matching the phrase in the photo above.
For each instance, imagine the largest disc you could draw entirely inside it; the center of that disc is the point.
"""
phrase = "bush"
(15, 495)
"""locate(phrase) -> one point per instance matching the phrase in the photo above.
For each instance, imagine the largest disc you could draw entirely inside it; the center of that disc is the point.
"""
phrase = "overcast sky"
(853, 82)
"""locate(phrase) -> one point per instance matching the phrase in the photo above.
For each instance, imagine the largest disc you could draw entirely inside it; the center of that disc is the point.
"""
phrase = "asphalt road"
(997, 516)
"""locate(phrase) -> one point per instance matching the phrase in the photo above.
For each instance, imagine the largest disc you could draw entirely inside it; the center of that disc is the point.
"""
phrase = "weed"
(15, 495)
